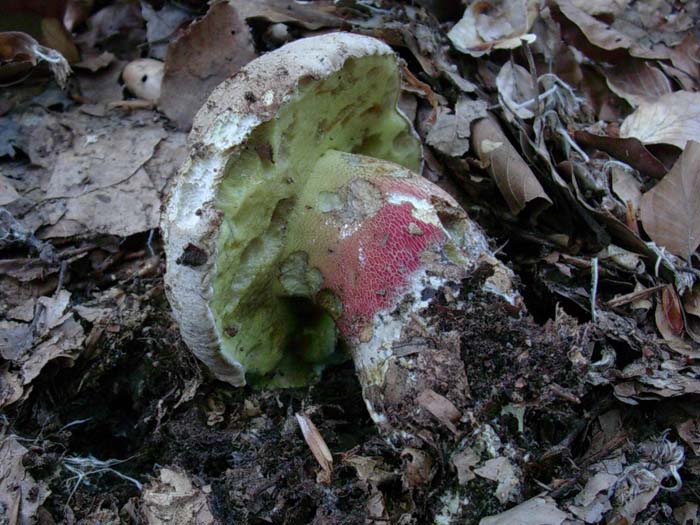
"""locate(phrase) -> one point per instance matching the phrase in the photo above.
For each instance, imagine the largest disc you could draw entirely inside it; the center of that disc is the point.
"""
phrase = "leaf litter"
(567, 129)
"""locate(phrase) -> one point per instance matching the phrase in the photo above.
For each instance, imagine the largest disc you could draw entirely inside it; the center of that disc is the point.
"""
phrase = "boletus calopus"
(299, 232)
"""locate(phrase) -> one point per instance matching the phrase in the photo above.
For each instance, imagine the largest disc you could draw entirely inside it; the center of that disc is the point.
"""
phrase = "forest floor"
(585, 410)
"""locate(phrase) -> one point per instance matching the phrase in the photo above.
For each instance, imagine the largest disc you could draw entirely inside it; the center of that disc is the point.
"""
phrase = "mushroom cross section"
(297, 229)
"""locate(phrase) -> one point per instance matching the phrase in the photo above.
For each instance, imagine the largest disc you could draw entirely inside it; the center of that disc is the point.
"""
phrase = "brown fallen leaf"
(670, 211)
(161, 26)
(312, 16)
(20, 495)
(636, 81)
(597, 39)
(465, 461)
(628, 150)
(514, 178)
(451, 132)
(209, 51)
(175, 499)
(689, 431)
(516, 91)
(28, 347)
(673, 118)
(669, 315)
(685, 56)
(121, 19)
(317, 445)
(492, 24)
(535, 511)
(441, 408)
(586, 33)
(502, 470)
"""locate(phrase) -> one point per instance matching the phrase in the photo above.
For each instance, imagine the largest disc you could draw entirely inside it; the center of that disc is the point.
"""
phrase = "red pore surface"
(370, 270)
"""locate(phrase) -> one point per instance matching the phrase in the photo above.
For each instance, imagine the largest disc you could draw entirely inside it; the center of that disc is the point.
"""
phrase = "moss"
(353, 110)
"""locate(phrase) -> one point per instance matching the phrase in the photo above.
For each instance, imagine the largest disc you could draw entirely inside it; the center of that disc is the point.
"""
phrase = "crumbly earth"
(144, 397)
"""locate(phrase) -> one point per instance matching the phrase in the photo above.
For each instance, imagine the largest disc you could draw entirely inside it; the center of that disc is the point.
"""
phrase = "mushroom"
(298, 231)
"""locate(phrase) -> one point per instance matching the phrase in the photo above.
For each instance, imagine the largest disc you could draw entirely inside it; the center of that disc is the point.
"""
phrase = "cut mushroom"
(297, 232)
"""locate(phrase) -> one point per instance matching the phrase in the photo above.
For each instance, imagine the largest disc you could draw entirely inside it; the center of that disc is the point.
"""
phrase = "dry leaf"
(417, 469)
(95, 61)
(211, 50)
(309, 15)
(594, 500)
(670, 211)
(691, 301)
(689, 431)
(535, 511)
(626, 186)
(595, 38)
(636, 81)
(673, 118)
(20, 495)
(629, 150)
(464, 462)
(668, 315)
(161, 26)
(120, 20)
(514, 178)
(687, 514)
(588, 34)
(502, 470)
(8, 193)
(175, 499)
(451, 131)
(685, 56)
(517, 91)
(316, 443)
(440, 407)
(492, 24)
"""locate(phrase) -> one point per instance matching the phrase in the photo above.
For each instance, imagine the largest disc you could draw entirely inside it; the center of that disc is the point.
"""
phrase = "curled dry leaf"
(670, 211)
(317, 444)
(673, 118)
(517, 91)
(669, 314)
(514, 178)
(19, 52)
(212, 49)
(492, 24)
